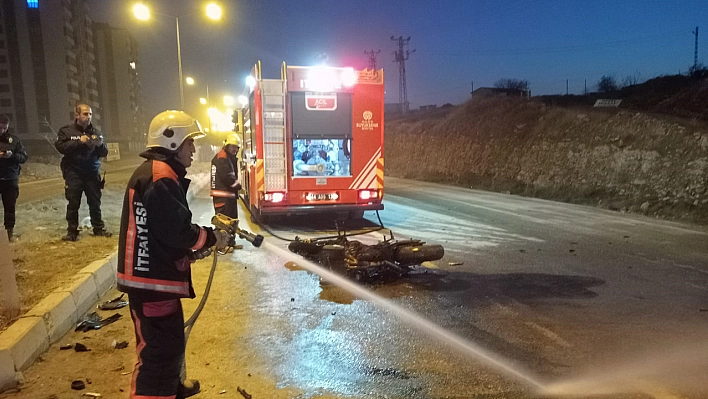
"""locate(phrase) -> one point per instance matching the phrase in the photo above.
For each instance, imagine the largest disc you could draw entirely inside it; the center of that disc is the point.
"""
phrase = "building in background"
(119, 87)
(48, 65)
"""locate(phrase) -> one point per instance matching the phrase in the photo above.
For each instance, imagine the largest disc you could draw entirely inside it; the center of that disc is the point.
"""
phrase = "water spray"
(414, 320)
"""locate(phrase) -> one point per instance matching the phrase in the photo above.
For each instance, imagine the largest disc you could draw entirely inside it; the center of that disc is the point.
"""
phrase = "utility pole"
(372, 58)
(566, 87)
(695, 51)
(400, 57)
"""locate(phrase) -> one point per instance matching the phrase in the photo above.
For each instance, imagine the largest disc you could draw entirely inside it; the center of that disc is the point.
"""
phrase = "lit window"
(32, 3)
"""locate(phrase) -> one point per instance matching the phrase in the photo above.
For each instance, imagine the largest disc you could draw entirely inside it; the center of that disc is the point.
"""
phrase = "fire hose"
(230, 226)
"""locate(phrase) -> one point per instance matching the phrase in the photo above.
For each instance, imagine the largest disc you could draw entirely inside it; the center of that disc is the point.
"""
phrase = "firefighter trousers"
(226, 206)
(75, 186)
(160, 345)
(9, 191)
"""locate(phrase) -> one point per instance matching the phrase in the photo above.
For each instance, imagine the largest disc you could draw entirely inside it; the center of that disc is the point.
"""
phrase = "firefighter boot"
(10, 235)
(188, 388)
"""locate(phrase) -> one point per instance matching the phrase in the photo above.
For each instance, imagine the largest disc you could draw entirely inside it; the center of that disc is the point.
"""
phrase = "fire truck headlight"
(349, 77)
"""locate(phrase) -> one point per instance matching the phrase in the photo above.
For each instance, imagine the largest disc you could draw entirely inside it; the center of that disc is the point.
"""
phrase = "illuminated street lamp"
(228, 101)
(142, 12)
(189, 81)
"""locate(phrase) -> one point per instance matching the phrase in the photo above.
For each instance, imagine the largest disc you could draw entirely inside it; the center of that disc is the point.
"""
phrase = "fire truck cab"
(313, 141)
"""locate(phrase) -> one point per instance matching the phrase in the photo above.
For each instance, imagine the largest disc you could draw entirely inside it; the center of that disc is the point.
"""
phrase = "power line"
(400, 57)
(372, 58)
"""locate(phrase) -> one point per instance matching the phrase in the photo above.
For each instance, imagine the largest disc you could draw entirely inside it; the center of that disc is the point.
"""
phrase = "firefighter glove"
(222, 239)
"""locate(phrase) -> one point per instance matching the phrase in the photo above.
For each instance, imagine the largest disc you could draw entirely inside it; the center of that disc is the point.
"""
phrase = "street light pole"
(179, 66)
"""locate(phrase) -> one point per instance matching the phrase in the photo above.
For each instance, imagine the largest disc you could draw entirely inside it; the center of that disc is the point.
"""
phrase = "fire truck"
(313, 142)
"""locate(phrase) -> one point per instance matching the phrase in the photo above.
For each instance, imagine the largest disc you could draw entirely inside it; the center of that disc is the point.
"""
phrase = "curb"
(47, 322)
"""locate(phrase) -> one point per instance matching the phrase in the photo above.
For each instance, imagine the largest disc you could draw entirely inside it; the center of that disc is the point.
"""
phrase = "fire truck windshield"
(325, 157)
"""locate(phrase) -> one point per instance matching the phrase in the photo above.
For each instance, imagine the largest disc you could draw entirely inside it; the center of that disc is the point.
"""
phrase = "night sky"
(457, 44)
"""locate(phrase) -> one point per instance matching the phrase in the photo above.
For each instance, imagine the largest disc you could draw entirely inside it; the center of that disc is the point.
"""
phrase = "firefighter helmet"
(169, 129)
(232, 139)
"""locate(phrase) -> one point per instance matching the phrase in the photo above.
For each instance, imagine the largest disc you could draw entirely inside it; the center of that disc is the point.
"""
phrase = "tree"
(607, 84)
(631, 80)
(515, 84)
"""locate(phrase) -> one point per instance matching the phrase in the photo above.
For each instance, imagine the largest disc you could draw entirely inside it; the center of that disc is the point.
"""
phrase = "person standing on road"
(157, 243)
(12, 155)
(225, 184)
(82, 147)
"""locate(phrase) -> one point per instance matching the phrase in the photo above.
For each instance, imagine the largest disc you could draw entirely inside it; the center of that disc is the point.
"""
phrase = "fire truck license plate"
(322, 197)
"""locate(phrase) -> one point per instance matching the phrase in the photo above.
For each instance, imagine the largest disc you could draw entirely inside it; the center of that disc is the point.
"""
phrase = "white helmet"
(169, 129)
(232, 139)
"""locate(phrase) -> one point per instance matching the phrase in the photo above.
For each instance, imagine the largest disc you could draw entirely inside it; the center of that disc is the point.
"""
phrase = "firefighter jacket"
(81, 158)
(10, 167)
(156, 232)
(224, 175)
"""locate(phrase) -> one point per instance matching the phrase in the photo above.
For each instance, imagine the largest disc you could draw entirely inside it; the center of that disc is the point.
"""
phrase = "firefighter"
(12, 154)
(158, 241)
(225, 184)
(82, 147)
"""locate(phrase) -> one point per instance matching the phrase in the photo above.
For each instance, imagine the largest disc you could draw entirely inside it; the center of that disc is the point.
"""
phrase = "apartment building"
(48, 65)
(119, 86)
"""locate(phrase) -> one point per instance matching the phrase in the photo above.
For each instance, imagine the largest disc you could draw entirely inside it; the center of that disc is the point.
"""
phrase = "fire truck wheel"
(354, 215)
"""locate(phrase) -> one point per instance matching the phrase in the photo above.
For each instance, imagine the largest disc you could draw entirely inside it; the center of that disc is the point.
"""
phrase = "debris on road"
(79, 347)
(119, 345)
(78, 385)
(115, 303)
(243, 393)
(93, 321)
(456, 263)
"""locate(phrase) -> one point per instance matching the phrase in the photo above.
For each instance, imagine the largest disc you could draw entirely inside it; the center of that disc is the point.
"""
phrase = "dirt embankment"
(619, 159)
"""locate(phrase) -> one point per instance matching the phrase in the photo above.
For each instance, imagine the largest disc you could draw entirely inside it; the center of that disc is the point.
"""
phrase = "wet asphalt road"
(554, 296)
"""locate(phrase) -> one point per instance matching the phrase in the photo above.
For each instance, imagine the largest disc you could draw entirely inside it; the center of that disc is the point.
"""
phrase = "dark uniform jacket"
(81, 158)
(156, 232)
(10, 167)
(224, 175)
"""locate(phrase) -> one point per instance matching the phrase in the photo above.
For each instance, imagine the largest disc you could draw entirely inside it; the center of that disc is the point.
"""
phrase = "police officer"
(82, 147)
(12, 154)
(225, 184)
(157, 243)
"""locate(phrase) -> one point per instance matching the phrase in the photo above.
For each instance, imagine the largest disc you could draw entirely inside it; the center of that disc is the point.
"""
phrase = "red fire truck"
(313, 142)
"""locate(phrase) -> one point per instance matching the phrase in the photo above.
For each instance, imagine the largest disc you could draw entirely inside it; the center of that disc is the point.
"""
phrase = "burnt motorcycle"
(387, 260)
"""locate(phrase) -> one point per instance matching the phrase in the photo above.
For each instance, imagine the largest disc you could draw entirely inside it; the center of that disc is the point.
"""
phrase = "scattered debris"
(78, 385)
(119, 345)
(703, 310)
(571, 250)
(115, 303)
(93, 321)
(91, 394)
(243, 393)
(223, 391)
(292, 299)
(456, 263)
(65, 347)
(79, 347)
